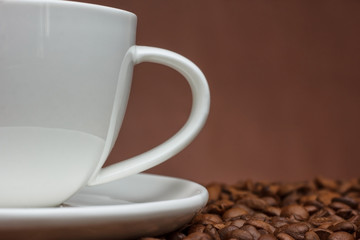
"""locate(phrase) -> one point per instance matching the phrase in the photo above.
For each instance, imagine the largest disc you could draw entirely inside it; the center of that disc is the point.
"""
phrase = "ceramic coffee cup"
(65, 77)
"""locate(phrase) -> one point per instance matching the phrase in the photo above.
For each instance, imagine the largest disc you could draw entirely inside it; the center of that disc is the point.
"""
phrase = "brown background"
(284, 80)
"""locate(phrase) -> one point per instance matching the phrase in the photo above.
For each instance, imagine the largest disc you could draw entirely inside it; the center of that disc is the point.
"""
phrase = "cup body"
(59, 71)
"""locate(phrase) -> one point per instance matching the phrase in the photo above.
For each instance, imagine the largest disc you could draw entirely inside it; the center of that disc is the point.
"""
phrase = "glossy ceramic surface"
(65, 77)
(139, 205)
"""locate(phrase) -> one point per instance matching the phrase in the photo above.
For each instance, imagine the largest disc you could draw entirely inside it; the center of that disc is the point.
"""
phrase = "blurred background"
(285, 88)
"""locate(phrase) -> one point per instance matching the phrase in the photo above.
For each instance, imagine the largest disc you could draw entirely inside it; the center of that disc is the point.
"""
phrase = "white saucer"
(139, 205)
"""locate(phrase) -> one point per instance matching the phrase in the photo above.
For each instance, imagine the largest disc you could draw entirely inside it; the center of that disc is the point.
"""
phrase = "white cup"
(65, 77)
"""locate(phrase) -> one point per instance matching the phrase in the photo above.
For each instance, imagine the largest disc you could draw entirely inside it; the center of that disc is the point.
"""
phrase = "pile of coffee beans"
(321, 209)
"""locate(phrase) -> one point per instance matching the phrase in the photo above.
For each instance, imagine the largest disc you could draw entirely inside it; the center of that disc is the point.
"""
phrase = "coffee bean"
(338, 205)
(221, 225)
(198, 236)
(212, 231)
(347, 200)
(292, 198)
(279, 222)
(343, 226)
(311, 208)
(225, 233)
(176, 236)
(219, 206)
(295, 210)
(321, 209)
(262, 225)
(267, 237)
(254, 203)
(270, 201)
(322, 213)
(297, 230)
(260, 216)
(307, 199)
(341, 236)
(233, 213)
(288, 188)
(214, 191)
(252, 230)
(238, 223)
(322, 233)
(311, 235)
(357, 233)
(196, 228)
(241, 235)
(244, 207)
(327, 183)
(318, 221)
(150, 238)
(272, 211)
(206, 218)
(325, 225)
(284, 236)
(346, 213)
(326, 196)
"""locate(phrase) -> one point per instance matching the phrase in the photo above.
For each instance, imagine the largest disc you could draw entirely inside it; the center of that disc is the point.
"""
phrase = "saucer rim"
(199, 198)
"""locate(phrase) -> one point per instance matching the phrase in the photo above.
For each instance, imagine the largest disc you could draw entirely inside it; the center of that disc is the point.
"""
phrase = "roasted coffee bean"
(341, 236)
(311, 235)
(252, 230)
(347, 200)
(214, 191)
(279, 222)
(219, 206)
(198, 236)
(238, 223)
(343, 226)
(225, 233)
(267, 237)
(150, 238)
(322, 209)
(270, 201)
(346, 213)
(288, 188)
(339, 205)
(272, 211)
(307, 199)
(355, 220)
(238, 194)
(271, 189)
(295, 210)
(196, 228)
(206, 218)
(297, 230)
(244, 207)
(212, 231)
(292, 198)
(221, 225)
(311, 209)
(233, 213)
(322, 213)
(322, 233)
(326, 196)
(254, 203)
(318, 221)
(260, 216)
(262, 225)
(176, 236)
(241, 235)
(326, 183)
(284, 236)
(357, 233)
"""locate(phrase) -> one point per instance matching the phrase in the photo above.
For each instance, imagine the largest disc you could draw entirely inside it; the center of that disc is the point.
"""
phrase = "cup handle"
(172, 146)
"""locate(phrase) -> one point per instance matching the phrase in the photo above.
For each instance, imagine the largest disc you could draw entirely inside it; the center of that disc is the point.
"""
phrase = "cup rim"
(72, 3)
